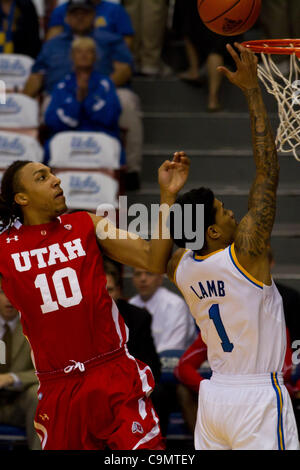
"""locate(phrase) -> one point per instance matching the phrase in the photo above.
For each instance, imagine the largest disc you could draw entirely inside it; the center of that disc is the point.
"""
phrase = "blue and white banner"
(14, 146)
(87, 190)
(19, 111)
(14, 70)
(84, 150)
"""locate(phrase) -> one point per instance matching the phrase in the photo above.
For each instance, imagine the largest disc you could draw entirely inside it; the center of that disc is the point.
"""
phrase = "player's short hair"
(10, 211)
(201, 195)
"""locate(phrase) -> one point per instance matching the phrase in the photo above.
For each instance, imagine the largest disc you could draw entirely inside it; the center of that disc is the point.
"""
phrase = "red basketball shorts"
(102, 403)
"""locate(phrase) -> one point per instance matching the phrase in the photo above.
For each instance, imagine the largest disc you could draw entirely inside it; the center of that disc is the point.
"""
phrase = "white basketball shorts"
(245, 412)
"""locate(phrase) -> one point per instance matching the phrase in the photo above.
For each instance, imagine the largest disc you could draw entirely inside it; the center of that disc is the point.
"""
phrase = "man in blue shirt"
(85, 100)
(113, 60)
(109, 16)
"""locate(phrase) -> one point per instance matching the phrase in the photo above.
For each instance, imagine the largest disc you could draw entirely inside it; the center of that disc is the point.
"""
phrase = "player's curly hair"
(201, 195)
(10, 185)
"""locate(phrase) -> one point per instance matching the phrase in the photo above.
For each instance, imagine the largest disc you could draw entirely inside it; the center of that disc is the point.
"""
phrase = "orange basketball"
(229, 17)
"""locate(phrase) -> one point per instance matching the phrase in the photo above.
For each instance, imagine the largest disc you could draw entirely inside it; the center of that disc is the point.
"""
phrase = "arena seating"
(88, 164)
(14, 70)
(20, 113)
(11, 437)
(177, 429)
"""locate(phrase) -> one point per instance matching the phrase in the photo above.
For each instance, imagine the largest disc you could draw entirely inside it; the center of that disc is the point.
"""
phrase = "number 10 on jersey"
(50, 305)
(214, 315)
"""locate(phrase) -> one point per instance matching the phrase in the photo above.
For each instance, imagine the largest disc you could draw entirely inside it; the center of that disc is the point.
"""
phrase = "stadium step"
(216, 166)
(174, 95)
(212, 131)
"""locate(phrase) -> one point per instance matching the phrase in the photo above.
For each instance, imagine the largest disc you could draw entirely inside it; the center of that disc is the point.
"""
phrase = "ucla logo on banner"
(10, 106)
(83, 185)
(12, 67)
(11, 146)
(84, 145)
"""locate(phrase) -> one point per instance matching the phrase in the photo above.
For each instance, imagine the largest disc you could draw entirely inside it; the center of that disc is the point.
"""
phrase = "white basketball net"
(286, 90)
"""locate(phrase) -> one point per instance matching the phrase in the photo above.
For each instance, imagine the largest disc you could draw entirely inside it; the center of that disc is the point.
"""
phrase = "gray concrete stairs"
(219, 146)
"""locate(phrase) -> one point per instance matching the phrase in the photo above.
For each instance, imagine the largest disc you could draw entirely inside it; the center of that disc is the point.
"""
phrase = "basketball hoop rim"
(274, 46)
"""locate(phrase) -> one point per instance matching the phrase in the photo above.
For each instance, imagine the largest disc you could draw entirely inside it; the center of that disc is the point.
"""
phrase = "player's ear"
(21, 199)
(213, 232)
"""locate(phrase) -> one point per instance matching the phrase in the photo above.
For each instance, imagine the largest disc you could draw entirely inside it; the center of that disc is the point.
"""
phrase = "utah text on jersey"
(48, 256)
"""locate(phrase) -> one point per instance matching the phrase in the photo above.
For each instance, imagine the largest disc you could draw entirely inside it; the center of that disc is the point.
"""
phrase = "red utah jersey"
(53, 274)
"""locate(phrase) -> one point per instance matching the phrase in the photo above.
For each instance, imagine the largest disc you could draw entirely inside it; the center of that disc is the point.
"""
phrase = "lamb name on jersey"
(211, 289)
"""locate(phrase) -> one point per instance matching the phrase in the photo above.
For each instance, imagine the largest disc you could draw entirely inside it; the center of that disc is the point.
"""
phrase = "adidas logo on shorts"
(137, 427)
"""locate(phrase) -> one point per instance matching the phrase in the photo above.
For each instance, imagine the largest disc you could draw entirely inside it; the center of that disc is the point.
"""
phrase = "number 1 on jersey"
(214, 315)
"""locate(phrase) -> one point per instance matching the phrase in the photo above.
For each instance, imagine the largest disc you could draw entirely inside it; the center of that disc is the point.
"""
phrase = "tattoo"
(255, 229)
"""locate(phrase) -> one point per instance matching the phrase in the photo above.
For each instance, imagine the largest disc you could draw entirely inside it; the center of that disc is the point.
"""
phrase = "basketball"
(229, 17)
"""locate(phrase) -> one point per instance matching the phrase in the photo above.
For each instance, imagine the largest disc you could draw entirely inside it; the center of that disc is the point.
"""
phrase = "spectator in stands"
(193, 368)
(173, 328)
(188, 373)
(113, 59)
(149, 23)
(18, 381)
(172, 324)
(85, 100)
(19, 28)
(202, 46)
(140, 341)
(109, 16)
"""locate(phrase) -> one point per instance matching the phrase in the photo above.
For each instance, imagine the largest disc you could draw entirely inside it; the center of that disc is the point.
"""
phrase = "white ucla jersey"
(241, 319)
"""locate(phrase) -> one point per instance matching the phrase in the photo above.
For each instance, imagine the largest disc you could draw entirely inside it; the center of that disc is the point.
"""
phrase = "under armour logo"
(44, 416)
(15, 238)
(68, 227)
(137, 427)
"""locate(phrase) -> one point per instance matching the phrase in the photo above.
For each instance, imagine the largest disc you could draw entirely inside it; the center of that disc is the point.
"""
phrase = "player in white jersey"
(229, 289)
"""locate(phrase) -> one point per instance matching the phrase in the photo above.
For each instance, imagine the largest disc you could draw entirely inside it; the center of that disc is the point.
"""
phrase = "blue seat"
(169, 360)
(295, 376)
(177, 429)
(11, 435)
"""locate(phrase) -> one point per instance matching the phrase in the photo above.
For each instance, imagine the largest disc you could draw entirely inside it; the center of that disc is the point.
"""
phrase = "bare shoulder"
(95, 218)
(251, 248)
(173, 263)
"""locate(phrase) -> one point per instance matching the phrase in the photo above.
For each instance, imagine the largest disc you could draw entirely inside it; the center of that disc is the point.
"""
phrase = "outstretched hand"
(172, 175)
(245, 76)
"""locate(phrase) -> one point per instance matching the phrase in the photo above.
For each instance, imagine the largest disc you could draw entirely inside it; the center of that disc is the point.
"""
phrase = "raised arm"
(134, 251)
(254, 231)
(121, 74)
(33, 85)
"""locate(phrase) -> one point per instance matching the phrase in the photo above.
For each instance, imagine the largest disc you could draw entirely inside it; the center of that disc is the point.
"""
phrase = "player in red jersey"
(92, 393)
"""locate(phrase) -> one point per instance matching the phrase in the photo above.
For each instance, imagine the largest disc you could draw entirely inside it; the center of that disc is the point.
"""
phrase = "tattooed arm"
(254, 231)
